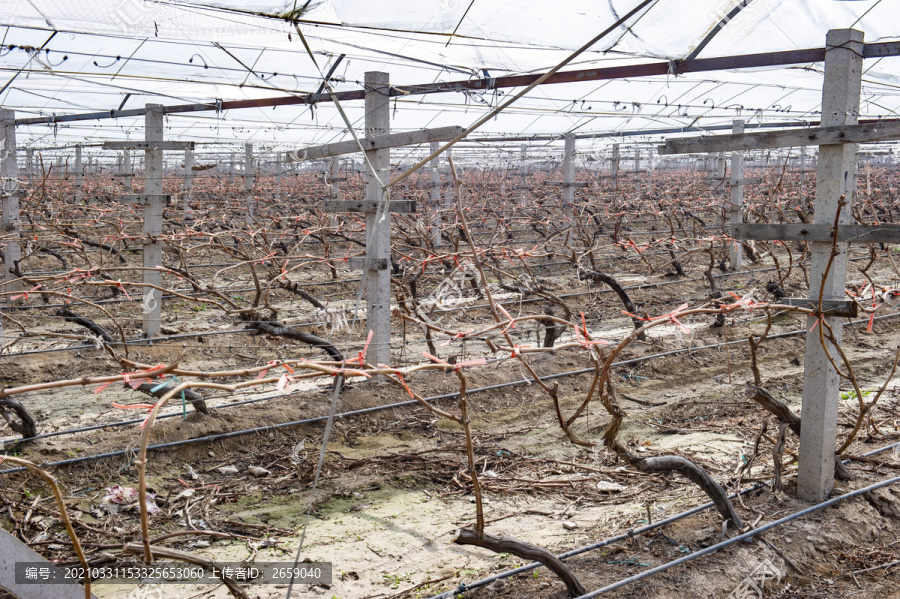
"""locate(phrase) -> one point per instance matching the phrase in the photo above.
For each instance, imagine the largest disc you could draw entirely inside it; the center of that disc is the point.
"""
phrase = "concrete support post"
(378, 226)
(153, 218)
(524, 171)
(334, 171)
(736, 209)
(129, 168)
(719, 182)
(188, 169)
(802, 177)
(279, 174)
(29, 165)
(569, 179)
(9, 232)
(637, 171)
(449, 190)
(835, 177)
(249, 178)
(435, 195)
(614, 165)
(79, 176)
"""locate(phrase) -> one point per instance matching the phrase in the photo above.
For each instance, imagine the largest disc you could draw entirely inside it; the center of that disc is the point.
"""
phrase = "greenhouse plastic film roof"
(99, 55)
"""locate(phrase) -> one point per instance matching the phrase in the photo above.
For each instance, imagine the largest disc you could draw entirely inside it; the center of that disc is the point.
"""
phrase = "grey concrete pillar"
(835, 177)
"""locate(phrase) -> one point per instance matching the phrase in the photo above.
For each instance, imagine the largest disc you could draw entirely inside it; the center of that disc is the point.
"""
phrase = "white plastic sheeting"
(192, 51)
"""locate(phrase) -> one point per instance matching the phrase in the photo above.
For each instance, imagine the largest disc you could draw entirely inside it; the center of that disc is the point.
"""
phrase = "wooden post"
(736, 210)
(569, 179)
(434, 193)
(79, 176)
(835, 177)
(12, 250)
(188, 169)
(378, 226)
(153, 213)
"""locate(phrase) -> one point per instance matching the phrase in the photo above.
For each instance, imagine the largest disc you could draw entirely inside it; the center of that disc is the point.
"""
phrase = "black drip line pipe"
(272, 427)
(463, 587)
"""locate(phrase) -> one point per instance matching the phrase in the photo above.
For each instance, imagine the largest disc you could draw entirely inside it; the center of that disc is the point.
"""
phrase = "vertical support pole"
(448, 189)
(736, 209)
(9, 232)
(434, 194)
(29, 165)
(129, 168)
(153, 218)
(334, 170)
(835, 177)
(720, 177)
(279, 174)
(802, 176)
(637, 171)
(378, 226)
(79, 176)
(230, 176)
(523, 169)
(614, 165)
(188, 169)
(868, 178)
(569, 179)
(249, 179)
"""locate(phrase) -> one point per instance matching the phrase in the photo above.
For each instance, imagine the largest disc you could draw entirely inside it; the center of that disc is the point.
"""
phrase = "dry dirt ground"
(391, 497)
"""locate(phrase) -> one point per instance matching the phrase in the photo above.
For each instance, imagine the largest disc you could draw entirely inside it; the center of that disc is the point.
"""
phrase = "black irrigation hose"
(742, 537)
(271, 427)
(637, 531)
